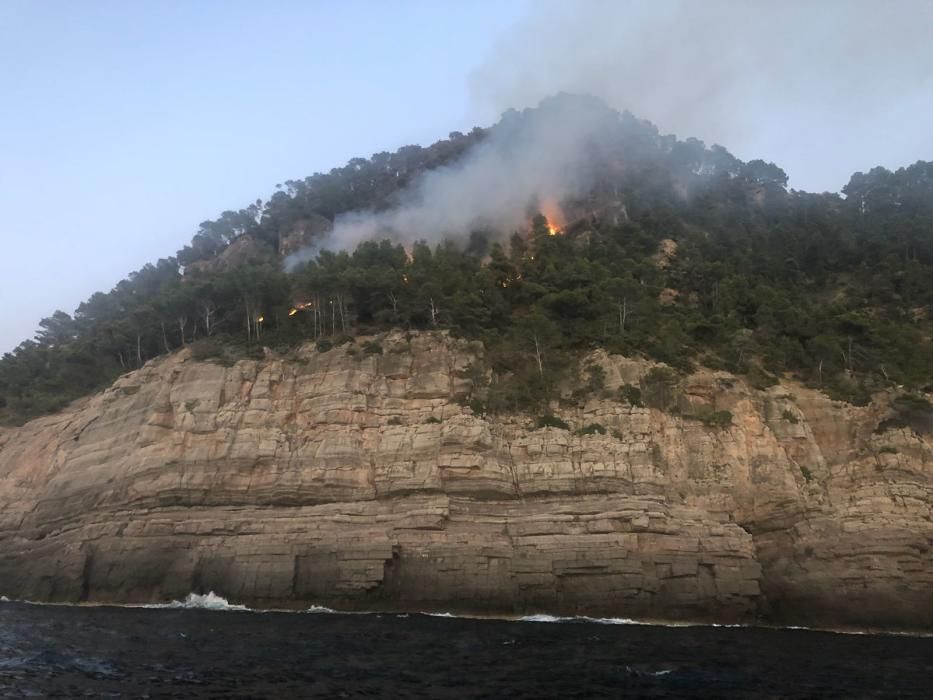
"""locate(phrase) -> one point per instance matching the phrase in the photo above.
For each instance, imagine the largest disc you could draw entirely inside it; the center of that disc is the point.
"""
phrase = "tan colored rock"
(323, 480)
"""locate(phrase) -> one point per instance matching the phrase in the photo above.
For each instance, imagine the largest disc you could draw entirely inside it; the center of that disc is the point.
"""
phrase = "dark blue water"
(65, 652)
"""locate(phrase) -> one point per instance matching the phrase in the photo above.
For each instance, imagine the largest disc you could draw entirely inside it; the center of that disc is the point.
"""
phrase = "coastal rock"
(363, 481)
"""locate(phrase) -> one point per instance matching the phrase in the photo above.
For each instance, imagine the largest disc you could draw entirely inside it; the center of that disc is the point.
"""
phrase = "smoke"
(822, 88)
(526, 163)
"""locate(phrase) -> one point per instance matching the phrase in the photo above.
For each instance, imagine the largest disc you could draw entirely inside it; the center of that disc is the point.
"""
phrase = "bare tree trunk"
(434, 312)
(182, 322)
(164, 336)
(538, 356)
(120, 357)
(249, 330)
(139, 352)
(208, 310)
(623, 312)
(394, 301)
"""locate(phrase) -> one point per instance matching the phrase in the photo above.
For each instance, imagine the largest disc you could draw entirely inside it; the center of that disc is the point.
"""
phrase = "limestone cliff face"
(359, 480)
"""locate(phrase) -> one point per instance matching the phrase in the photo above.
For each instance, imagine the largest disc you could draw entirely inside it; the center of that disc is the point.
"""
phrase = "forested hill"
(675, 251)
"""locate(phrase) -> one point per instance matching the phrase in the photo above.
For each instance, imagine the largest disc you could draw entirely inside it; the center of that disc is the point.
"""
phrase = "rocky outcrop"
(362, 480)
(245, 249)
(304, 233)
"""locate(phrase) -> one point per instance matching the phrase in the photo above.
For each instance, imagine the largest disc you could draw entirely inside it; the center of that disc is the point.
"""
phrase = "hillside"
(667, 250)
(563, 364)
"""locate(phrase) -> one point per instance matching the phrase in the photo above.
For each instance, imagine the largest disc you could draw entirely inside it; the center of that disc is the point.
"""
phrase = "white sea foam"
(4, 599)
(596, 620)
(209, 601)
(320, 609)
(446, 614)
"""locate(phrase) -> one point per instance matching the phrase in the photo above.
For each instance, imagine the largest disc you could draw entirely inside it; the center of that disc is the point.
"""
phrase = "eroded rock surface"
(360, 480)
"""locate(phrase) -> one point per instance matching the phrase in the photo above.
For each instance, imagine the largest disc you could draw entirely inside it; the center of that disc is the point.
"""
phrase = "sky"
(123, 125)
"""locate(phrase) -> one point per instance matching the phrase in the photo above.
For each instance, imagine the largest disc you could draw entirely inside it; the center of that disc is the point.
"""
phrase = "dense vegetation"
(762, 281)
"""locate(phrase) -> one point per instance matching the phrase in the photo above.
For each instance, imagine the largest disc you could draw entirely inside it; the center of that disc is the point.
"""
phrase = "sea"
(205, 647)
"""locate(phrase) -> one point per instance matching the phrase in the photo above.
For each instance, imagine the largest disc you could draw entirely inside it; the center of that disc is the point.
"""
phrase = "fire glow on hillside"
(554, 216)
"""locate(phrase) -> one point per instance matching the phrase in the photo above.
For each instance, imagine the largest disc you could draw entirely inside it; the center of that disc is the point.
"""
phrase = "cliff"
(361, 481)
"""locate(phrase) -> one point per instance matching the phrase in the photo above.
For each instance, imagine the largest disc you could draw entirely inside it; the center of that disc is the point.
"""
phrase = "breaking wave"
(319, 609)
(582, 618)
(208, 601)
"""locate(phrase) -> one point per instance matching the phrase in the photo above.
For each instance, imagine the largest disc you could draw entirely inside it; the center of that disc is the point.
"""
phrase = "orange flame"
(551, 211)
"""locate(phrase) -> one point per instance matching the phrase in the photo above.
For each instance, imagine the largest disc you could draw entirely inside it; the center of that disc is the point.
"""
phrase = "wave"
(541, 617)
(320, 609)
(208, 601)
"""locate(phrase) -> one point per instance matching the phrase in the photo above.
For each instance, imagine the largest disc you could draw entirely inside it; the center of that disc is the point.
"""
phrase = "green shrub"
(552, 421)
(887, 450)
(478, 407)
(371, 347)
(658, 388)
(909, 411)
(630, 394)
(596, 379)
(432, 420)
(789, 416)
(807, 474)
(395, 420)
(592, 429)
(710, 418)
(759, 378)
(323, 345)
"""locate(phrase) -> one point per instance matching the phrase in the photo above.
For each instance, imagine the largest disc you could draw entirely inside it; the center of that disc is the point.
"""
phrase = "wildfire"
(300, 307)
(554, 215)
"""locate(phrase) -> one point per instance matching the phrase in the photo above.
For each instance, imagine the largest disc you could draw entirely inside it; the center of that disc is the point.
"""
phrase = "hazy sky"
(125, 124)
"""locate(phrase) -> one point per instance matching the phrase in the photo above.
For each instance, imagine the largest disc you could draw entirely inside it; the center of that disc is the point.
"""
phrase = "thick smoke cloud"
(523, 166)
(822, 88)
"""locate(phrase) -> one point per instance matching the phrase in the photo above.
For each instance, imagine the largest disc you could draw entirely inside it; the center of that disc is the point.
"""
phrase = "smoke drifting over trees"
(521, 166)
(808, 84)
(798, 82)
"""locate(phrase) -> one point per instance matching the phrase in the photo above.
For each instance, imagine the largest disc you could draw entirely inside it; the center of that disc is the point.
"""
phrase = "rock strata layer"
(362, 481)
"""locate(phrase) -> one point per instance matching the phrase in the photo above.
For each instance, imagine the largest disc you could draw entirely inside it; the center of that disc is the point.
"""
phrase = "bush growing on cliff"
(658, 388)
(551, 421)
(631, 395)
(711, 418)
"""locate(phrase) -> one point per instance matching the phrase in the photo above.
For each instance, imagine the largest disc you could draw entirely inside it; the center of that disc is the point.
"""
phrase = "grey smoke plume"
(521, 167)
(822, 87)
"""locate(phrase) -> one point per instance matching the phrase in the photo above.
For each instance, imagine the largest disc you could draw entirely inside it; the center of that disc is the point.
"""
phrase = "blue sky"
(123, 125)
